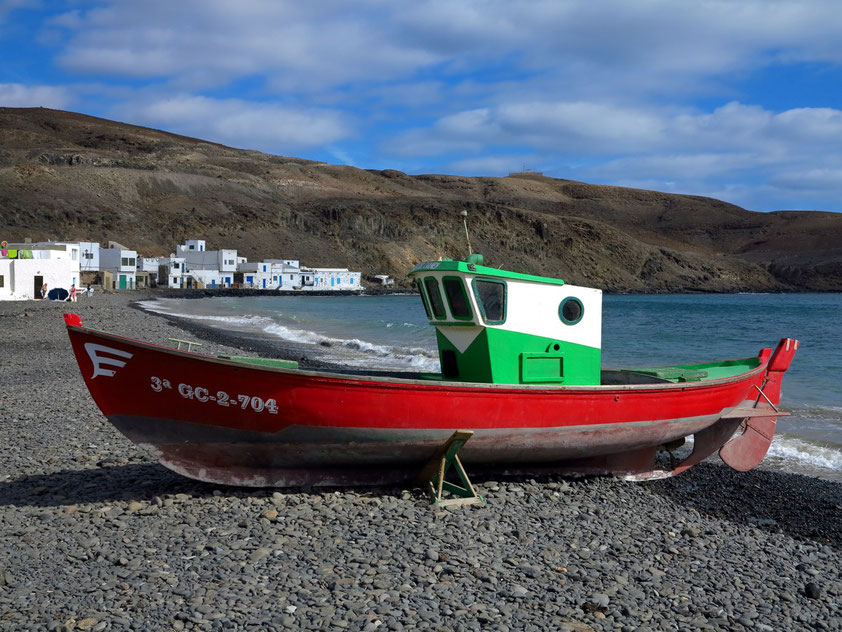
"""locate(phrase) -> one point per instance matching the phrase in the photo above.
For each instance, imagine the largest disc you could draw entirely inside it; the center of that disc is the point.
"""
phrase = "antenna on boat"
(464, 215)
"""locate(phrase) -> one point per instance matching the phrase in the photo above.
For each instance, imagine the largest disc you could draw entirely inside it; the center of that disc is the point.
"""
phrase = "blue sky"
(735, 99)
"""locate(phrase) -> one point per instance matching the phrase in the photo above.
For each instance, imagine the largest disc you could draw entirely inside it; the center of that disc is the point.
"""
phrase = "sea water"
(638, 330)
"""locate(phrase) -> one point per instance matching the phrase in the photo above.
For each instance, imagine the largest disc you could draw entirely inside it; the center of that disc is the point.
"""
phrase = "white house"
(120, 265)
(89, 256)
(194, 245)
(272, 274)
(24, 268)
(167, 271)
(255, 275)
(64, 250)
(211, 268)
(330, 279)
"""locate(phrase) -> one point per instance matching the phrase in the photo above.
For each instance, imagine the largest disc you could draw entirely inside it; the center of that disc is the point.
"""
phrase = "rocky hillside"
(70, 176)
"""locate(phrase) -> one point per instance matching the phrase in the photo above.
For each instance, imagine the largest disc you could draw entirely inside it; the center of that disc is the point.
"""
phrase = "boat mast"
(464, 214)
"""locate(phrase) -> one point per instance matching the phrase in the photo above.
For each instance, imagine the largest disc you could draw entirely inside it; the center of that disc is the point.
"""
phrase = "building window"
(192, 247)
(89, 255)
(2, 281)
(175, 266)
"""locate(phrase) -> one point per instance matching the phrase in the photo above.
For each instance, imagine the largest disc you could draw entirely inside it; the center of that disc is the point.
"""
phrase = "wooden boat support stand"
(521, 390)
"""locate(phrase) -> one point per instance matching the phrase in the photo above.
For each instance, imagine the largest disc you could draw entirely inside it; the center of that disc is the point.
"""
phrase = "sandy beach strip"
(95, 535)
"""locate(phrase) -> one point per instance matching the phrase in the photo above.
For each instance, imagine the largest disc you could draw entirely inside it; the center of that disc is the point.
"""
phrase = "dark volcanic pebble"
(97, 536)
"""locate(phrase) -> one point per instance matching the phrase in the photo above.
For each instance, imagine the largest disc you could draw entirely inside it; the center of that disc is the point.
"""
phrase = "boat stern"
(751, 441)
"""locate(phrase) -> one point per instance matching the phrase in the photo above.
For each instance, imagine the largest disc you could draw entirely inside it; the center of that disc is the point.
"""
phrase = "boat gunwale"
(435, 384)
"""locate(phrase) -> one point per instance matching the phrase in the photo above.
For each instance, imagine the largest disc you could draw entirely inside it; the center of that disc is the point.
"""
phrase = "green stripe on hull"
(505, 357)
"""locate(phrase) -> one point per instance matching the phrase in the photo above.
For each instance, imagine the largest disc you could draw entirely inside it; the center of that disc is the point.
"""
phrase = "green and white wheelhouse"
(508, 328)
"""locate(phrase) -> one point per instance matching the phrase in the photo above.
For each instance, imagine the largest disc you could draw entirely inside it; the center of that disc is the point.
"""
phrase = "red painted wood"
(322, 400)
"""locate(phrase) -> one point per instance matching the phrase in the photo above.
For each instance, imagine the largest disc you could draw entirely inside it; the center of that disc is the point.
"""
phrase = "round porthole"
(571, 310)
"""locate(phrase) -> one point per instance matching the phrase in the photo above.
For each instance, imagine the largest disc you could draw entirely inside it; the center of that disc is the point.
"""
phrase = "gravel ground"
(94, 535)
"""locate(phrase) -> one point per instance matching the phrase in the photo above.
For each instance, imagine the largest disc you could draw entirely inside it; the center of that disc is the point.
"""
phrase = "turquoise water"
(638, 330)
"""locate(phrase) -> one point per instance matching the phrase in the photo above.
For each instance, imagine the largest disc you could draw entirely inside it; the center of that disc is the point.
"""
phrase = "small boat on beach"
(520, 368)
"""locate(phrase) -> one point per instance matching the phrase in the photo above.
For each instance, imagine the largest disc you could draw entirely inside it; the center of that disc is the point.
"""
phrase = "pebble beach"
(95, 535)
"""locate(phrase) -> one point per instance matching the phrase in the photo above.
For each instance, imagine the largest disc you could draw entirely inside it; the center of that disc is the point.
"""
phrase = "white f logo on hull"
(95, 352)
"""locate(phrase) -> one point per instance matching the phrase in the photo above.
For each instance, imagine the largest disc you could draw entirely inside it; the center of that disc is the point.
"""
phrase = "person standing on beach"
(73, 293)
(89, 291)
(44, 291)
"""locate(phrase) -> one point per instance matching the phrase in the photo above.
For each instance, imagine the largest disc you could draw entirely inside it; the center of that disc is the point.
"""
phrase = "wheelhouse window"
(433, 294)
(423, 299)
(491, 297)
(457, 298)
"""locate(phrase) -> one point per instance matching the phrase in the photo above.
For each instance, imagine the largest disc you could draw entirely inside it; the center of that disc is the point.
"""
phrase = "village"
(55, 269)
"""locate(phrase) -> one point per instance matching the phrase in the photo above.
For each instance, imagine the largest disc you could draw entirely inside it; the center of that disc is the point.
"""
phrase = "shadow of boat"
(802, 507)
(140, 482)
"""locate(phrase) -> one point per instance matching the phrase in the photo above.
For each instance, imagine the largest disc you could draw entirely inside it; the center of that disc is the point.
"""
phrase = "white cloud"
(582, 46)
(602, 129)
(18, 95)
(295, 45)
(7, 6)
(269, 127)
(732, 150)
(822, 178)
(493, 165)
(609, 85)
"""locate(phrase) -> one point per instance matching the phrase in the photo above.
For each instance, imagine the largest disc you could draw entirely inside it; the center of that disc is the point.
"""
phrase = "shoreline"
(119, 542)
(262, 346)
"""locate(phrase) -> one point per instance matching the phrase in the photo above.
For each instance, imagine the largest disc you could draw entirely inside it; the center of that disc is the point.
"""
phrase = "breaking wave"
(350, 351)
(360, 353)
(807, 453)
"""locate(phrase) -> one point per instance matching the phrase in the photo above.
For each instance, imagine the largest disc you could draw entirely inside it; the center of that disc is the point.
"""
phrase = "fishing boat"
(520, 368)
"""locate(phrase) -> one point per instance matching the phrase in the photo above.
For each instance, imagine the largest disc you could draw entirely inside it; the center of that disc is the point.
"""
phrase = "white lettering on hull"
(97, 355)
(222, 398)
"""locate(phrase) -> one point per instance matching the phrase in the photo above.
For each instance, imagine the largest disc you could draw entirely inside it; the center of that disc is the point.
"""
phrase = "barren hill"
(71, 176)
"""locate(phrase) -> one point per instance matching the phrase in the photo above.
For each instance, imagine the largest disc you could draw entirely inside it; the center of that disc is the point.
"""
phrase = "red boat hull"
(226, 422)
